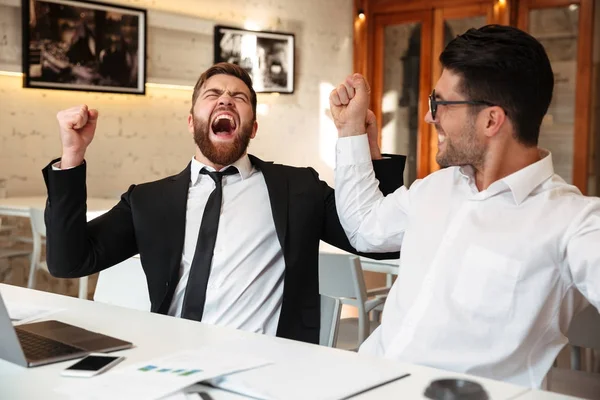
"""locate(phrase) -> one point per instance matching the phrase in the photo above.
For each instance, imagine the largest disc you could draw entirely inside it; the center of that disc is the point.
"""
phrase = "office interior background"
(394, 43)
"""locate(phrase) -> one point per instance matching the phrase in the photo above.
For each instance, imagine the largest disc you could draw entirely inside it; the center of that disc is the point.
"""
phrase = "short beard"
(221, 154)
(467, 150)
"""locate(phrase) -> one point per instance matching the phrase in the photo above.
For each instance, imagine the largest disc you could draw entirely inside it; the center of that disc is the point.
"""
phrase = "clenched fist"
(77, 126)
(349, 104)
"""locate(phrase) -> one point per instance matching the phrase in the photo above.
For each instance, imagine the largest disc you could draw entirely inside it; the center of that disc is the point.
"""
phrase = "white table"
(543, 395)
(19, 206)
(414, 386)
(302, 365)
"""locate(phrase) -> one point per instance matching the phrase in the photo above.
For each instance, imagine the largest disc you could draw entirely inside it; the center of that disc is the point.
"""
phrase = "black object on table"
(455, 389)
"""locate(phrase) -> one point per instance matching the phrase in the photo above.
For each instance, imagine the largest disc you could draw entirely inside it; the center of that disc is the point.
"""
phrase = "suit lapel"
(277, 186)
(174, 210)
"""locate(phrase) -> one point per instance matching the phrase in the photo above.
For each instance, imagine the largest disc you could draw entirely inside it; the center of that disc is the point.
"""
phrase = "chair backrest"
(331, 309)
(340, 275)
(124, 285)
(584, 330)
(38, 233)
(38, 226)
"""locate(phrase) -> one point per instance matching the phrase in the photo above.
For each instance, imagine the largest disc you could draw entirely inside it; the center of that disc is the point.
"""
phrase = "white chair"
(331, 309)
(8, 254)
(124, 285)
(341, 277)
(38, 232)
(6, 239)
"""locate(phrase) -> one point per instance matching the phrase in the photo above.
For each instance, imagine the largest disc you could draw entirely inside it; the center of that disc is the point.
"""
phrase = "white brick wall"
(141, 138)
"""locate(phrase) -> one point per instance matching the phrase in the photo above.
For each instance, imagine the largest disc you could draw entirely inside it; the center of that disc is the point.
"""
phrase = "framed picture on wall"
(267, 56)
(84, 45)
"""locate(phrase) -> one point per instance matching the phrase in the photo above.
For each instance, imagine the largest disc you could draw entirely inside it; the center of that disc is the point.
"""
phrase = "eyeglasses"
(433, 103)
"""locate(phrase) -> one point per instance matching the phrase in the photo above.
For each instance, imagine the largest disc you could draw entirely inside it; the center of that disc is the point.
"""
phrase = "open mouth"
(224, 125)
(440, 133)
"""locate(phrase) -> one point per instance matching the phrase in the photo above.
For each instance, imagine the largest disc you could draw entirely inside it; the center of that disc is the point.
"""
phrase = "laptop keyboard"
(37, 347)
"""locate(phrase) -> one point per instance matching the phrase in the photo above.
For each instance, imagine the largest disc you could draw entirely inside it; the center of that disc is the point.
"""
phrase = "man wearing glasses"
(498, 252)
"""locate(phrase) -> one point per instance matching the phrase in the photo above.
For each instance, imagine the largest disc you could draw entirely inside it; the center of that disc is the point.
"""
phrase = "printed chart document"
(160, 377)
(316, 375)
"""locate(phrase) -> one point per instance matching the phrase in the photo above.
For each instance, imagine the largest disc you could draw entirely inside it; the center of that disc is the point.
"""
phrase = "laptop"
(46, 342)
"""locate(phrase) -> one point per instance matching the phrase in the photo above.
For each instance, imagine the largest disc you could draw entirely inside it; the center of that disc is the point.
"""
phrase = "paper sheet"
(160, 377)
(183, 396)
(240, 386)
(202, 392)
(21, 314)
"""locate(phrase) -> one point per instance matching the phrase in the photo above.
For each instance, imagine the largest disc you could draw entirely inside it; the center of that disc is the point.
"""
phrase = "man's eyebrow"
(214, 90)
(438, 96)
(221, 91)
(233, 94)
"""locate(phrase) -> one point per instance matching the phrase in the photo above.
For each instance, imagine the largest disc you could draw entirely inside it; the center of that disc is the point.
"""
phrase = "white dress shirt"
(489, 281)
(245, 286)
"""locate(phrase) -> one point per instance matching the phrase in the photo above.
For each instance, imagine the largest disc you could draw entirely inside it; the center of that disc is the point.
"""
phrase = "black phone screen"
(93, 363)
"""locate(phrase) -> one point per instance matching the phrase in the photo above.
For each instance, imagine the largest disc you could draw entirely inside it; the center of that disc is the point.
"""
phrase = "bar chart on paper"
(160, 377)
(176, 371)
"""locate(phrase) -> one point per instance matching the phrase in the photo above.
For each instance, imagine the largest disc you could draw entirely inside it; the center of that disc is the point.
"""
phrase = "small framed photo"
(267, 56)
(84, 45)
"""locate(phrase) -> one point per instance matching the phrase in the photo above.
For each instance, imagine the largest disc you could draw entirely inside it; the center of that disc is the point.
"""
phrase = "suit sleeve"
(74, 247)
(389, 172)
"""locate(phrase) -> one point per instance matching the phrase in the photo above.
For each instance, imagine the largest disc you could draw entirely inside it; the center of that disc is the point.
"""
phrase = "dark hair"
(225, 69)
(507, 67)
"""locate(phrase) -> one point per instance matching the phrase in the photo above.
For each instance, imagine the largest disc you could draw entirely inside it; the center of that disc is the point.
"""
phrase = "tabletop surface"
(303, 370)
(304, 366)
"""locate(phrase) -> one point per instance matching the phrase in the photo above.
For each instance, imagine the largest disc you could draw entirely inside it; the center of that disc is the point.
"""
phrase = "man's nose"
(225, 100)
(428, 118)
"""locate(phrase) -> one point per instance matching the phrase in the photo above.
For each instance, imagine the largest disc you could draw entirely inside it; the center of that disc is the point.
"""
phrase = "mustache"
(229, 109)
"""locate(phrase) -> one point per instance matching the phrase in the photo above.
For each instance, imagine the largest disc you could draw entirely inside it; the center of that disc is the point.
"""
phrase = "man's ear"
(254, 129)
(191, 123)
(495, 117)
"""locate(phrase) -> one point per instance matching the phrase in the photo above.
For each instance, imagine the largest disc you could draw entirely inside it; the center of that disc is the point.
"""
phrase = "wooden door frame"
(583, 83)
(380, 22)
(365, 52)
(359, 42)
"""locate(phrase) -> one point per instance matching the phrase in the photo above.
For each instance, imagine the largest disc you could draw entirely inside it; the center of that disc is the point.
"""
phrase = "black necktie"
(195, 292)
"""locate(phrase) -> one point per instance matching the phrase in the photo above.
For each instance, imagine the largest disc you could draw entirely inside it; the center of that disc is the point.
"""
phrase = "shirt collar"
(243, 165)
(524, 181)
(520, 183)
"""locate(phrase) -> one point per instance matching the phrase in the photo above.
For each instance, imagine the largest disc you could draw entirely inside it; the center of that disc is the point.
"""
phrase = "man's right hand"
(349, 104)
(77, 126)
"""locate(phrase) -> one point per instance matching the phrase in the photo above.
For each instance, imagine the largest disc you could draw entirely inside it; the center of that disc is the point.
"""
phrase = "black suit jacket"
(150, 220)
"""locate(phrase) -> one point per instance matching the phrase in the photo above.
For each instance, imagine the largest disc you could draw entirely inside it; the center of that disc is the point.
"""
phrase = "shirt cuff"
(353, 150)
(56, 167)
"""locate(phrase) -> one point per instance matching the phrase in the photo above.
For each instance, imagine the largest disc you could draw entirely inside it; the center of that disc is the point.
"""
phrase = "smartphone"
(92, 364)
